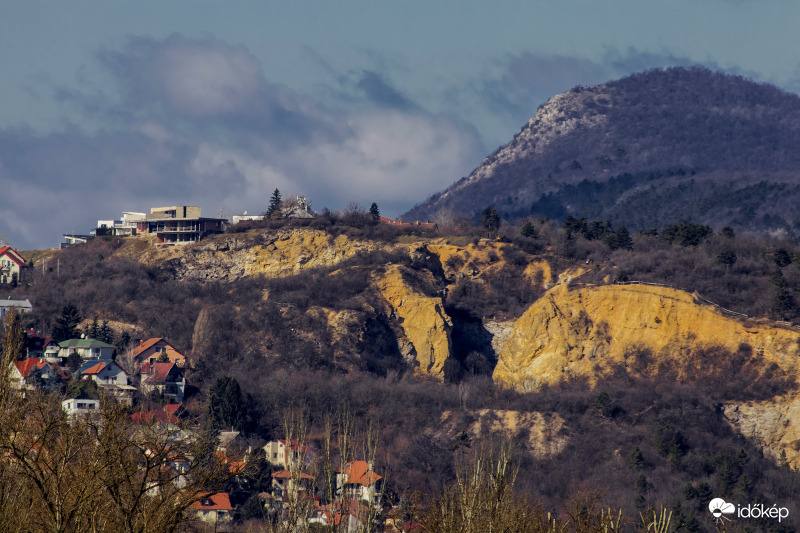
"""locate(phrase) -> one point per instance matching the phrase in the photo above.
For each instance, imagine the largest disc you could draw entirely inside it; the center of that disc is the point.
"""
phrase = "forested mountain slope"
(645, 151)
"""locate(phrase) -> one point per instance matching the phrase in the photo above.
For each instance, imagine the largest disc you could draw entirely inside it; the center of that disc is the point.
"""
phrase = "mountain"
(644, 151)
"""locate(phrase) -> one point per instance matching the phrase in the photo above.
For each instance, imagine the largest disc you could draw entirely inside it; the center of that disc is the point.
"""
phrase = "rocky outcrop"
(774, 424)
(588, 331)
(273, 254)
(546, 432)
(425, 324)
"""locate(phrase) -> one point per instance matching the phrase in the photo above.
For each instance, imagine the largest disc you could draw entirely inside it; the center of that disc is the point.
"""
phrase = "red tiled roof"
(285, 474)
(165, 415)
(145, 345)
(157, 372)
(29, 364)
(217, 502)
(95, 369)
(360, 472)
(12, 254)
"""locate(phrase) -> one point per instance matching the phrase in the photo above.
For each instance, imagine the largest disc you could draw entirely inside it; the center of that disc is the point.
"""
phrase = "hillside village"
(148, 378)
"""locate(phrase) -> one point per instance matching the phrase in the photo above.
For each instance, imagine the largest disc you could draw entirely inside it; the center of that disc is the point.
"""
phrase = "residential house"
(86, 349)
(165, 378)
(151, 350)
(235, 219)
(72, 239)
(110, 377)
(10, 264)
(36, 372)
(124, 227)
(213, 508)
(283, 454)
(179, 224)
(285, 484)
(359, 482)
(347, 516)
(22, 306)
(78, 407)
(38, 346)
(166, 415)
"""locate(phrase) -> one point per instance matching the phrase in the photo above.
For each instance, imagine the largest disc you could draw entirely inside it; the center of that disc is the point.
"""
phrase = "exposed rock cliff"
(273, 254)
(585, 332)
(774, 424)
(423, 319)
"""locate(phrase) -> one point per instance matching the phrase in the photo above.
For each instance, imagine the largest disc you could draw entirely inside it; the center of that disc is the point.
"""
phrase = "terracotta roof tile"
(215, 502)
(145, 345)
(360, 472)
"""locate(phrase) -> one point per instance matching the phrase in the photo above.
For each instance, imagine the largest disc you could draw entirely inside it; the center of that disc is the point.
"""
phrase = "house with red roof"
(166, 415)
(10, 264)
(110, 377)
(345, 515)
(165, 378)
(36, 371)
(39, 346)
(213, 508)
(284, 482)
(359, 482)
(151, 350)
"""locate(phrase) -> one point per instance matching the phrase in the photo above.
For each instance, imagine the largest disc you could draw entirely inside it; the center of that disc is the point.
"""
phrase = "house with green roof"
(85, 348)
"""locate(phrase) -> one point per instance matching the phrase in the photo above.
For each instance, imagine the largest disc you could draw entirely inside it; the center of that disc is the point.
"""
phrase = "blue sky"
(111, 106)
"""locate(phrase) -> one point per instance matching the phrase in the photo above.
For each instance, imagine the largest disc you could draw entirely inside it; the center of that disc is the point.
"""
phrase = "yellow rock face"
(582, 332)
(425, 324)
(294, 251)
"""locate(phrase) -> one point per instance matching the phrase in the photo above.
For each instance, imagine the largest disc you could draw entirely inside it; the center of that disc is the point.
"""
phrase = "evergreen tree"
(105, 333)
(782, 257)
(374, 211)
(490, 219)
(226, 407)
(93, 331)
(274, 204)
(66, 326)
(619, 239)
(124, 342)
(727, 258)
(783, 301)
(528, 230)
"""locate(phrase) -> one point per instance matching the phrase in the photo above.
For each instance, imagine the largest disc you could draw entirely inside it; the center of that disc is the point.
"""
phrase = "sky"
(111, 106)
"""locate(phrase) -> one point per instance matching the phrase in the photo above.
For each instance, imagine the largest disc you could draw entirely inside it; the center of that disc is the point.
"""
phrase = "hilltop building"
(178, 224)
(124, 227)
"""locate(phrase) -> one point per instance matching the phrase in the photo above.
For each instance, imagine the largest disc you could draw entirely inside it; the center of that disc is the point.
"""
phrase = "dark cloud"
(197, 122)
(380, 93)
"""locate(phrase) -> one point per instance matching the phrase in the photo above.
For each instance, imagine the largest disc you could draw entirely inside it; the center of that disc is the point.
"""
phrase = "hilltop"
(644, 151)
